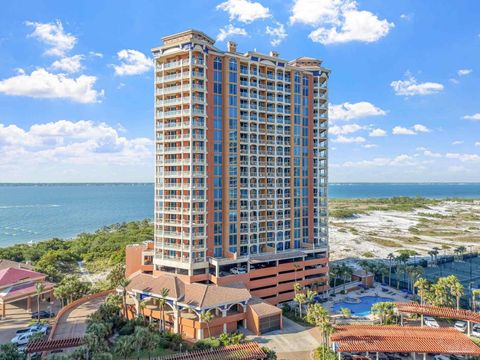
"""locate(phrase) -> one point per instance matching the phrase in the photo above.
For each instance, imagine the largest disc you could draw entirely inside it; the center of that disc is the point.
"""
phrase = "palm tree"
(345, 272)
(39, 287)
(318, 316)
(114, 299)
(141, 308)
(300, 297)
(384, 311)
(334, 273)
(207, 317)
(423, 286)
(139, 337)
(383, 270)
(475, 293)
(456, 289)
(124, 346)
(162, 302)
(459, 251)
(123, 283)
(346, 312)
(391, 259)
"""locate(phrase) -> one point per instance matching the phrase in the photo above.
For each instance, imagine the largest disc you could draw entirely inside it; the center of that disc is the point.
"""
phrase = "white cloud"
(230, 30)
(339, 21)
(53, 35)
(464, 72)
(472, 117)
(457, 142)
(410, 87)
(377, 132)
(420, 128)
(406, 17)
(477, 144)
(463, 157)
(400, 160)
(132, 62)
(70, 64)
(77, 146)
(400, 130)
(348, 111)
(244, 10)
(432, 154)
(278, 34)
(344, 129)
(369, 146)
(349, 140)
(42, 84)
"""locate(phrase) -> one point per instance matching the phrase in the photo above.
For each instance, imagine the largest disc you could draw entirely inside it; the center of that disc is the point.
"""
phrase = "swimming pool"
(363, 307)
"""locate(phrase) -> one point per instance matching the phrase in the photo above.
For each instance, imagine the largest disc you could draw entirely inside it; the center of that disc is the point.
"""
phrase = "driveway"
(293, 342)
(18, 317)
(74, 322)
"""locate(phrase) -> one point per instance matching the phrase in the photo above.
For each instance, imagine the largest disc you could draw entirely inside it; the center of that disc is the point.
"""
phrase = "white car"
(430, 322)
(461, 326)
(476, 330)
(21, 339)
(441, 357)
(238, 270)
(22, 336)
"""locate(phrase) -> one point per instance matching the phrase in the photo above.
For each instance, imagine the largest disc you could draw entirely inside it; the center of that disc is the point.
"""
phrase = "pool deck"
(394, 294)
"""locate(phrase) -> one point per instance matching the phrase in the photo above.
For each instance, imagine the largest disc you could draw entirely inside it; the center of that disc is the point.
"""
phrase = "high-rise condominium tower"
(241, 167)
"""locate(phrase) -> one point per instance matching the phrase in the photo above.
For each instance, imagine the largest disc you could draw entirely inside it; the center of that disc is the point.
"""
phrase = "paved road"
(293, 342)
(74, 322)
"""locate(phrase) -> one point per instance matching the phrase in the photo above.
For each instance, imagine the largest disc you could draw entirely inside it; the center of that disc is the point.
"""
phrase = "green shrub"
(208, 343)
(128, 328)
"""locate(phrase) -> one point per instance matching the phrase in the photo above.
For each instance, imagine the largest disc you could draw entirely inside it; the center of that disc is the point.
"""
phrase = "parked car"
(476, 330)
(461, 326)
(431, 322)
(441, 357)
(238, 270)
(21, 339)
(44, 314)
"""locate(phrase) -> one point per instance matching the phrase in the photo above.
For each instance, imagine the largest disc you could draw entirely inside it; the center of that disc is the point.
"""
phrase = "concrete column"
(200, 334)
(176, 321)
(2, 313)
(377, 356)
(217, 271)
(421, 320)
(339, 355)
(224, 314)
(424, 356)
(29, 304)
(469, 328)
(244, 320)
(414, 356)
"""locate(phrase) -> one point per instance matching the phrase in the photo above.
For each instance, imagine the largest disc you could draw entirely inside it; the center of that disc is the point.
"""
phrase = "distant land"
(40, 211)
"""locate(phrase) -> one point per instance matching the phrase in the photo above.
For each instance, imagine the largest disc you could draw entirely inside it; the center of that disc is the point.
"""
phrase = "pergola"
(407, 339)
(441, 312)
(249, 351)
(49, 345)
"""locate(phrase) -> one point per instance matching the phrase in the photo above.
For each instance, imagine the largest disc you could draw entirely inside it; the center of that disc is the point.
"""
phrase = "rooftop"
(368, 338)
(196, 295)
(4, 263)
(437, 311)
(249, 351)
(12, 275)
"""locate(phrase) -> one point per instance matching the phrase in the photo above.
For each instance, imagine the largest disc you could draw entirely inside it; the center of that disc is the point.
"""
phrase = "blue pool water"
(362, 308)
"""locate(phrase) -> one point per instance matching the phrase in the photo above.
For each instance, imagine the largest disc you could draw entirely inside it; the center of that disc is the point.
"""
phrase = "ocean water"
(34, 212)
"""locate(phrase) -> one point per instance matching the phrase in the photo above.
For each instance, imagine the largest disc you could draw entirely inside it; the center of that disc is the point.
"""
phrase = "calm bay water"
(33, 212)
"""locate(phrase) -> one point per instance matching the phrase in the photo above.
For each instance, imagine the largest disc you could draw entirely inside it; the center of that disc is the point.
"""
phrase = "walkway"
(74, 322)
(293, 342)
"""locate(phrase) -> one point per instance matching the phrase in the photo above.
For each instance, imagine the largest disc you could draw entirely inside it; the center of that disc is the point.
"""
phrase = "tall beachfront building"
(241, 167)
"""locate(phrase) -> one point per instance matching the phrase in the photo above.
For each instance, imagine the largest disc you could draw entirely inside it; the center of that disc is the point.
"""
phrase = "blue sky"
(76, 99)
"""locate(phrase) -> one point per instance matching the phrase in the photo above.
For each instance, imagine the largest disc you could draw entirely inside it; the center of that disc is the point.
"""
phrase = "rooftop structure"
(249, 351)
(392, 339)
(232, 306)
(17, 283)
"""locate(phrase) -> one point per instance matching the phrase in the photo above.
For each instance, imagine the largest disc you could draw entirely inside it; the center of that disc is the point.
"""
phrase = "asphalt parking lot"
(17, 317)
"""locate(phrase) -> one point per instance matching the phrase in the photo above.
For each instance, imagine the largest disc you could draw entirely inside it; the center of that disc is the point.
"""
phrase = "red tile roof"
(368, 338)
(437, 311)
(19, 291)
(249, 351)
(11, 275)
